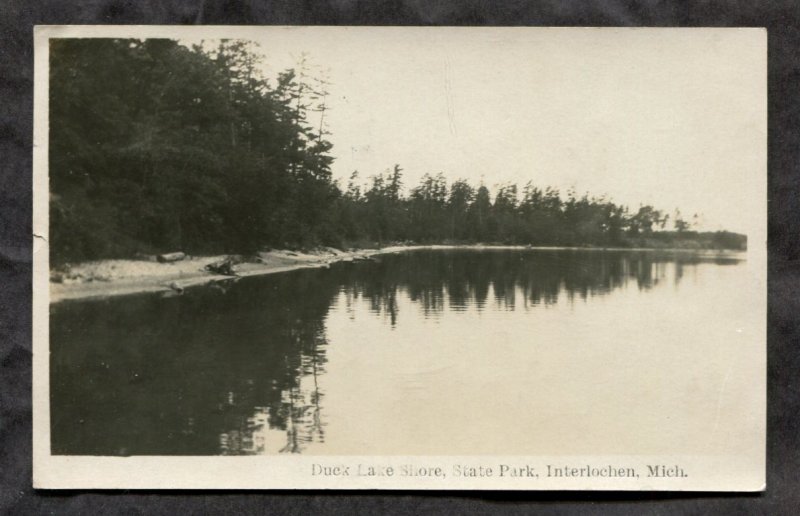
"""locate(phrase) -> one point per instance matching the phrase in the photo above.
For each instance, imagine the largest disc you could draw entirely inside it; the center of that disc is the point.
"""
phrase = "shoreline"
(112, 278)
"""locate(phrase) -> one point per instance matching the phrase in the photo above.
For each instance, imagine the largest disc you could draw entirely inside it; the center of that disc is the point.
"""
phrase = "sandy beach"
(105, 278)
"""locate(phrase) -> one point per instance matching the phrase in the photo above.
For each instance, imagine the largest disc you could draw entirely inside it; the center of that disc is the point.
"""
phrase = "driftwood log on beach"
(224, 267)
(170, 257)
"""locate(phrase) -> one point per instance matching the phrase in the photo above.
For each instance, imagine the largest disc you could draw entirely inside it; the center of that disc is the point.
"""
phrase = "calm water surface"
(428, 352)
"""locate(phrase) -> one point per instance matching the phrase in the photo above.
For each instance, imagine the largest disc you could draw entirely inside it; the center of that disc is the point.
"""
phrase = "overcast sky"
(672, 118)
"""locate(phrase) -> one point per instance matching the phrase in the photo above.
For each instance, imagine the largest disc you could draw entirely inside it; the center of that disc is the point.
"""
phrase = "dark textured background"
(17, 18)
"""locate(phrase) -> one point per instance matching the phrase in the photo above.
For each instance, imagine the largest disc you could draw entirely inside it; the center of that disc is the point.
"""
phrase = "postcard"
(400, 258)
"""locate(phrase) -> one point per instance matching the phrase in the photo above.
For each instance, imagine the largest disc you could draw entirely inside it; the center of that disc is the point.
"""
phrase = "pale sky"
(672, 118)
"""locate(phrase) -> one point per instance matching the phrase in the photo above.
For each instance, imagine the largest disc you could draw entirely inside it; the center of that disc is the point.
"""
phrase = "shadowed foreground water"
(429, 352)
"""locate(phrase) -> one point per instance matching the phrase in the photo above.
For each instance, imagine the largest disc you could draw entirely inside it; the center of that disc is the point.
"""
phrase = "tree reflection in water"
(242, 371)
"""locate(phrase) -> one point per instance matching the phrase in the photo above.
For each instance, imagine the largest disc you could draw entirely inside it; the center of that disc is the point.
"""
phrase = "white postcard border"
(702, 473)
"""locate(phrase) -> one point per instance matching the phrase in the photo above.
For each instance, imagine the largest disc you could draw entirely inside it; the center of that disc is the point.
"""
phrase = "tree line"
(434, 211)
(158, 146)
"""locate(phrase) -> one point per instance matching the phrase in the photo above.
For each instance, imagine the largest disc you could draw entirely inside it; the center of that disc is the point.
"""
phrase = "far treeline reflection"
(209, 372)
(158, 147)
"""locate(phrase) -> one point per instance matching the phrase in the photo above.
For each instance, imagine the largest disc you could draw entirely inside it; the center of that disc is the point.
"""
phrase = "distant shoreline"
(111, 278)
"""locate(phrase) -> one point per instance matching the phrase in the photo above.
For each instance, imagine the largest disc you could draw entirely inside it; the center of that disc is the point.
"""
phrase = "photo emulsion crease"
(400, 258)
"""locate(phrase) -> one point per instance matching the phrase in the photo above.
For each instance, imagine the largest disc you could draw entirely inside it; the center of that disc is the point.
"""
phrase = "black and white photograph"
(400, 258)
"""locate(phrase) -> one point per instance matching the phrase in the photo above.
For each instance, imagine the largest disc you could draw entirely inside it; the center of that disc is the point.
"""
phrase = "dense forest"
(156, 146)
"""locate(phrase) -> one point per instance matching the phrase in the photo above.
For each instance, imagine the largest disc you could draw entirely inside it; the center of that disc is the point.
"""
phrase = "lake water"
(426, 352)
